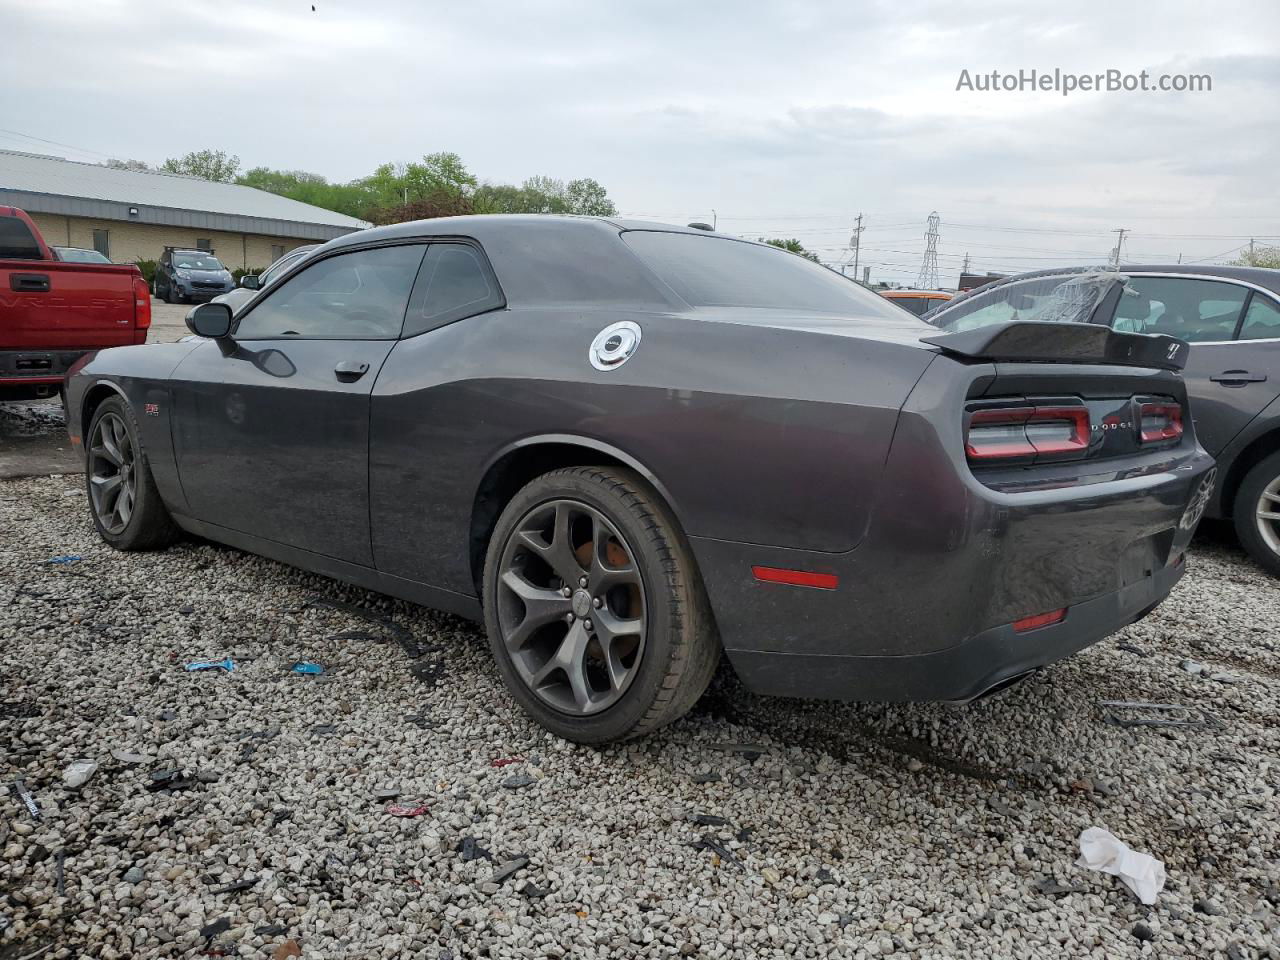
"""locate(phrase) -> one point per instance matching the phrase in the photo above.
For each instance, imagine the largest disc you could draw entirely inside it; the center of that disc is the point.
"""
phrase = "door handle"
(29, 282)
(1238, 378)
(349, 371)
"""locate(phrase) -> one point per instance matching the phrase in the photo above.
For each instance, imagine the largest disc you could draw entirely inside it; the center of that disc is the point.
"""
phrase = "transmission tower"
(928, 279)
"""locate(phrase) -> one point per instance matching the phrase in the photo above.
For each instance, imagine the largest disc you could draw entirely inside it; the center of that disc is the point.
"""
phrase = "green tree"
(134, 165)
(793, 246)
(588, 198)
(542, 194)
(206, 164)
(1260, 257)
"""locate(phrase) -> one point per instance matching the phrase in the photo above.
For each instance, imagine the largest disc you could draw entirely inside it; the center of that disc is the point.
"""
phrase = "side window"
(1193, 310)
(352, 296)
(16, 241)
(1262, 322)
(454, 282)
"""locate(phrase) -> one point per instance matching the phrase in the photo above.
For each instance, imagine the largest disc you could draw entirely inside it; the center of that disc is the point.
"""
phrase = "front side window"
(16, 241)
(1192, 310)
(351, 296)
(1262, 321)
(710, 271)
(454, 282)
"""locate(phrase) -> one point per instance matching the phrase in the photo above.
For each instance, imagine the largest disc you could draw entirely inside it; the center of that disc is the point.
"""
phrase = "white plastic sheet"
(1140, 872)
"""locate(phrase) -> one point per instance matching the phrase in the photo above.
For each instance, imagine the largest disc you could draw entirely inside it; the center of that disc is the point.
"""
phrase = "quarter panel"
(759, 434)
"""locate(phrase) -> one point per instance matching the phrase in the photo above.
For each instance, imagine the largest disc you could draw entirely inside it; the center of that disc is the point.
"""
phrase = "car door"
(272, 425)
(1230, 376)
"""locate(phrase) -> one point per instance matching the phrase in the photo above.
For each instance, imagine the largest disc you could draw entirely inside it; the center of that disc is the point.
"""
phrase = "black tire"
(149, 525)
(680, 648)
(1248, 501)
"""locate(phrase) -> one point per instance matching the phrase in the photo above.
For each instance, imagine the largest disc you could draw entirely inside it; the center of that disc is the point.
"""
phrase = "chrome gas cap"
(614, 345)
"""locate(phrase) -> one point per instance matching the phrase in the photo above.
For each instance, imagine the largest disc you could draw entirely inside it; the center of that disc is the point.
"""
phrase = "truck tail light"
(141, 309)
(1160, 422)
(1007, 433)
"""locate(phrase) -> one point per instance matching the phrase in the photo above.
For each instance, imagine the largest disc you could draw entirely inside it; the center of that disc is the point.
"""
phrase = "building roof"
(44, 184)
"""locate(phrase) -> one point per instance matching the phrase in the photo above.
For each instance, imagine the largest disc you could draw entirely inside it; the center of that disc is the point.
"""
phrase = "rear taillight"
(1009, 433)
(1160, 422)
(141, 309)
(1040, 620)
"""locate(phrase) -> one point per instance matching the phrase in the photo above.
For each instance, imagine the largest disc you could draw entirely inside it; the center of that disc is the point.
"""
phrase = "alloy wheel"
(112, 475)
(1267, 515)
(571, 607)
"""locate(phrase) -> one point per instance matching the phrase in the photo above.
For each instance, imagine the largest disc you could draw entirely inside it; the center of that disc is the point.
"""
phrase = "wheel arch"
(93, 398)
(520, 462)
(1257, 450)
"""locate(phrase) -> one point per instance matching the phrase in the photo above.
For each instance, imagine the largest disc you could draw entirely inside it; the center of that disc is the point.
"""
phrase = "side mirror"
(250, 281)
(211, 320)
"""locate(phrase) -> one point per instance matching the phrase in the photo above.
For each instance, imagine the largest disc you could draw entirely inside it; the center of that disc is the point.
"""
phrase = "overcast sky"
(786, 118)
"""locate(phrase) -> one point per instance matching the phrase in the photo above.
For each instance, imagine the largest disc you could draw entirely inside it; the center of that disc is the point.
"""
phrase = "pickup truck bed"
(52, 312)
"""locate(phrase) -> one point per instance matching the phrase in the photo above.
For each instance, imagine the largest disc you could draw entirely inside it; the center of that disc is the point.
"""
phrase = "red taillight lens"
(1006, 433)
(141, 306)
(1161, 421)
(1040, 620)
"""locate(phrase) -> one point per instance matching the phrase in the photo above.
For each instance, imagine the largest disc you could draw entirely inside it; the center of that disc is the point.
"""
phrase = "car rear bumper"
(924, 608)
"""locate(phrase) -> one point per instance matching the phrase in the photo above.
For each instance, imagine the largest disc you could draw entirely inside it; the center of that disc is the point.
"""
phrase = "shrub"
(148, 268)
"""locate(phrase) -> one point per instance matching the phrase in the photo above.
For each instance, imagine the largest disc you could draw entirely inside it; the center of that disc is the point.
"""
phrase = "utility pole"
(1251, 263)
(713, 218)
(855, 241)
(928, 279)
(1115, 254)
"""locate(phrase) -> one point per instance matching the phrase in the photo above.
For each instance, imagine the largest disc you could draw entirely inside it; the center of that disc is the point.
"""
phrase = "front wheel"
(123, 500)
(1257, 513)
(594, 608)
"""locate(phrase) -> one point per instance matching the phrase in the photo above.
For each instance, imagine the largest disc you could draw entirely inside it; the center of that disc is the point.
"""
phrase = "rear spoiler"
(1035, 342)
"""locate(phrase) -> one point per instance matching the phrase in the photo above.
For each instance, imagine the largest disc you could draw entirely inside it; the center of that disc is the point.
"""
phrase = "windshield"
(196, 261)
(1053, 299)
(711, 271)
(79, 255)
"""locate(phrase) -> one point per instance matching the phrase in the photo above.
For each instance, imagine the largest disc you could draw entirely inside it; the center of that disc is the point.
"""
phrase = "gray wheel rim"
(1268, 515)
(571, 607)
(112, 478)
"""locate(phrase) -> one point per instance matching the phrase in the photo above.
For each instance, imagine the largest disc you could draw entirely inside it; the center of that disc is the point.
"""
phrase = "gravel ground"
(846, 830)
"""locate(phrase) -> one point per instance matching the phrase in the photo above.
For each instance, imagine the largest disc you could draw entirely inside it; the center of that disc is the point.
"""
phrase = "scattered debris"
(383, 794)
(505, 761)
(172, 780)
(1052, 888)
(128, 756)
(65, 559)
(823, 875)
(248, 883)
(1143, 932)
(749, 750)
(1192, 666)
(286, 950)
(228, 664)
(508, 869)
(428, 672)
(19, 789)
(411, 647)
(1128, 647)
(78, 773)
(470, 849)
(1156, 715)
(534, 892)
(708, 776)
(307, 667)
(186, 609)
(708, 842)
(1142, 873)
(218, 927)
(325, 729)
(518, 781)
(274, 930)
(399, 810)
(708, 820)
(1226, 678)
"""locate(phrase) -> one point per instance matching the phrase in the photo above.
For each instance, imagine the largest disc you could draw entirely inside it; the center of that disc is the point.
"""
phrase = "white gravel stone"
(856, 830)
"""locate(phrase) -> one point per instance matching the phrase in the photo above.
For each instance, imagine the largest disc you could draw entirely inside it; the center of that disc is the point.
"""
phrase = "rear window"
(16, 241)
(718, 272)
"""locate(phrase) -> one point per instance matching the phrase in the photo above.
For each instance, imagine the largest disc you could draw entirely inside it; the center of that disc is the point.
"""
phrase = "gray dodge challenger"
(628, 448)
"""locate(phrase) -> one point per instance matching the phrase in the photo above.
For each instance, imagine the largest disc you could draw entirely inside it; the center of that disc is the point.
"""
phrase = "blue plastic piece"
(303, 666)
(65, 559)
(227, 664)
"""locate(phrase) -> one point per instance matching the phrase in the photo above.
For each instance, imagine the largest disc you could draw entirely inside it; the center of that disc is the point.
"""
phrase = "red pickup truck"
(53, 312)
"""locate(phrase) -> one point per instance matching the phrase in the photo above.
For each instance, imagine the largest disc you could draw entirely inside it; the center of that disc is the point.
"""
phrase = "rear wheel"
(123, 500)
(595, 612)
(1257, 513)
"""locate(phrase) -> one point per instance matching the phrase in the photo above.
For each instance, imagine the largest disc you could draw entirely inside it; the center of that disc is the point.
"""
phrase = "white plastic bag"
(78, 773)
(1143, 874)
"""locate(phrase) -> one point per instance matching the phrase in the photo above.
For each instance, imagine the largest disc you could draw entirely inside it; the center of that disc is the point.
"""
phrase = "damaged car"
(629, 449)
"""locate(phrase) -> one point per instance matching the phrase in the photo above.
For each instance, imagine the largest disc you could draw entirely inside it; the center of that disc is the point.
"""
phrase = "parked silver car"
(251, 283)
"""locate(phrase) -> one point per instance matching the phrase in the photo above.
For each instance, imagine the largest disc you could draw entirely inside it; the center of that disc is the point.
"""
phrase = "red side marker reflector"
(1039, 620)
(796, 578)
